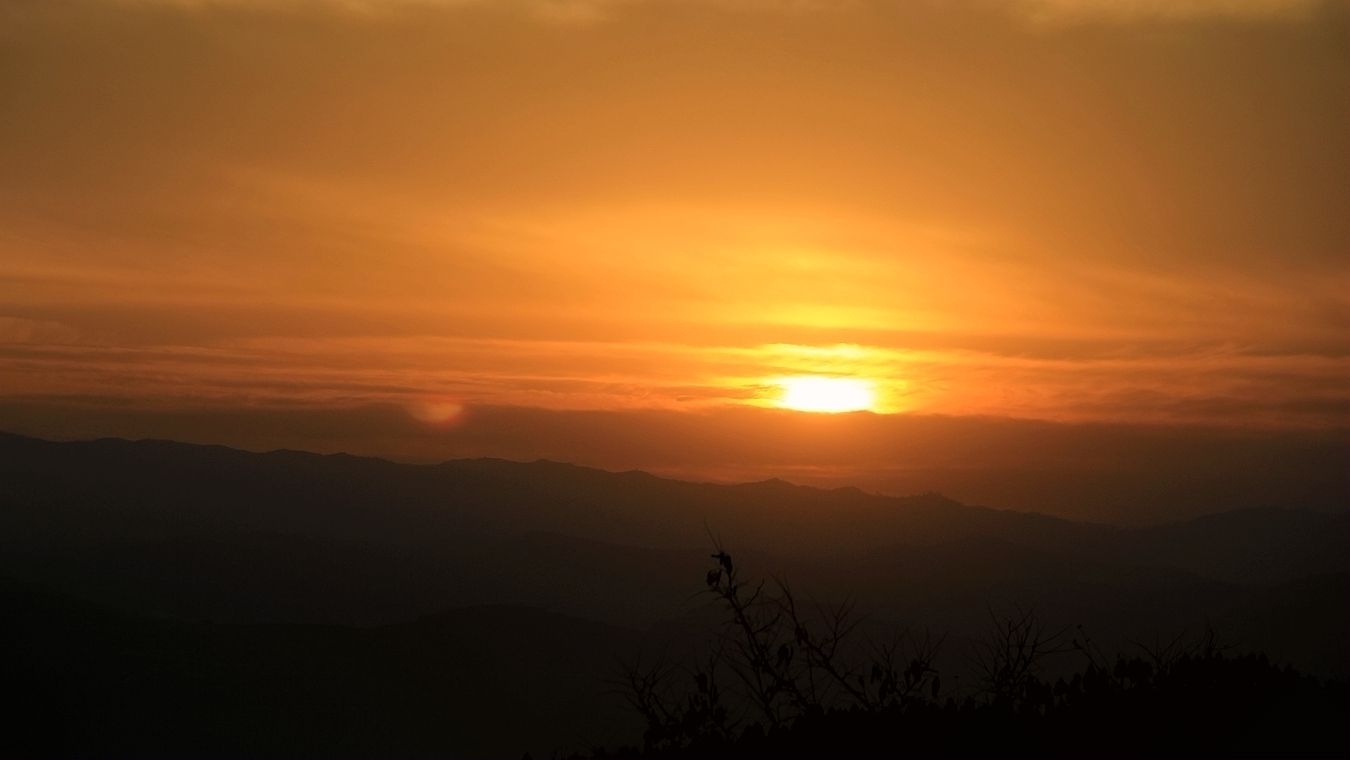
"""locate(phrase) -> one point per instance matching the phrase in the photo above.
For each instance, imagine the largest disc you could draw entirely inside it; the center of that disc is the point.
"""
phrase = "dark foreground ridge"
(85, 681)
(79, 680)
(168, 599)
(1207, 705)
(778, 681)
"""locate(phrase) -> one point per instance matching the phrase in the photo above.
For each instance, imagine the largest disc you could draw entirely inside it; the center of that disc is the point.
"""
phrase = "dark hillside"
(1260, 546)
(485, 681)
(210, 533)
(94, 491)
(109, 490)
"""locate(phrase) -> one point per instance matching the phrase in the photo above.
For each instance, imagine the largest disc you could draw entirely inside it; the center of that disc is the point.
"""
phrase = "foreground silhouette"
(163, 599)
(794, 693)
(79, 680)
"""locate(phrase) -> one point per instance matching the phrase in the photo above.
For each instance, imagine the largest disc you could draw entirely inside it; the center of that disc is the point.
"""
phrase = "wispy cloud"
(36, 331)
(663, 213)
(548, 11)
(1075, 12)
(1173, 385)
(585, 11)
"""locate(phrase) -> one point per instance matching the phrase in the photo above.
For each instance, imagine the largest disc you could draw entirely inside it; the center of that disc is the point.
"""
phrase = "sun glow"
(826, 394)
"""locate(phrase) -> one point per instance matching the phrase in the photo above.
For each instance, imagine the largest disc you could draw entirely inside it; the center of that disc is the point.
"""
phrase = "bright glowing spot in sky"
(826, 394)
(441, 413)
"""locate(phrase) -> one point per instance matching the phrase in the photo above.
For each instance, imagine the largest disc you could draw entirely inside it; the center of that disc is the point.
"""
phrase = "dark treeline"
(784, 679)
(1195, 706)
(778, 681)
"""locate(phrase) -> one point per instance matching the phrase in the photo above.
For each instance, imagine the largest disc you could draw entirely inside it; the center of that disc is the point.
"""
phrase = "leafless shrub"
(1009, 659)
(787, 659)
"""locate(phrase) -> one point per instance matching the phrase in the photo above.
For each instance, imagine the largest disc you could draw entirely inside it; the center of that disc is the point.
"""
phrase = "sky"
(1022, 237)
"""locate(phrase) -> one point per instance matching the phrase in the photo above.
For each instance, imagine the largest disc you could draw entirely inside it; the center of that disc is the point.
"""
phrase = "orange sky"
(1060, 210)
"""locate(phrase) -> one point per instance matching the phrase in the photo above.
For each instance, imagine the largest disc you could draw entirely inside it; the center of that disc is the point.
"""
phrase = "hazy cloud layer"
(1068, 381)
(1060, 210)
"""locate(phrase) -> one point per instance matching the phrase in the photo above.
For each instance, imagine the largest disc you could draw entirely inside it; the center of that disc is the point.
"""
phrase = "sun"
(826, 394)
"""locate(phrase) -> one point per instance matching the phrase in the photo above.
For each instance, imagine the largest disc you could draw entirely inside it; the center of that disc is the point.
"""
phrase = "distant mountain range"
(88, 493)
(188, 533)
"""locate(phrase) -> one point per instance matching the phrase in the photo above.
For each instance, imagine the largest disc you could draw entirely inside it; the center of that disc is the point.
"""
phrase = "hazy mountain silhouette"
(206, 531)
(106, 490)
(285, 551)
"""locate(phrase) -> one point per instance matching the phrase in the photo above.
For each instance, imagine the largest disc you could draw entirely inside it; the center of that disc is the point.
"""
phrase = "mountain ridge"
(209, 532)
(113, 488)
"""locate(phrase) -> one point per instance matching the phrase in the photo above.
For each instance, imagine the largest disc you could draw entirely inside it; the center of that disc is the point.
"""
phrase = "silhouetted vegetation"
(779, 681)
(224, 603)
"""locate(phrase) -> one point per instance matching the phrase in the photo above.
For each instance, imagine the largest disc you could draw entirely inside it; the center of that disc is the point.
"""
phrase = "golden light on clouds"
(1055, 212)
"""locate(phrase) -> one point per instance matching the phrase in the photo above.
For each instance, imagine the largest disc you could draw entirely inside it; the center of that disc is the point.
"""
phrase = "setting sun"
(502, 325)
(826, 394)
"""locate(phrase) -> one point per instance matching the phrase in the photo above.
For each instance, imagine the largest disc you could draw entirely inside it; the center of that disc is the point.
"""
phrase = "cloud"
(36, 331)
(435, 377)
(565, 12)
(1057, 13)
(662, 212)
(589, 11)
